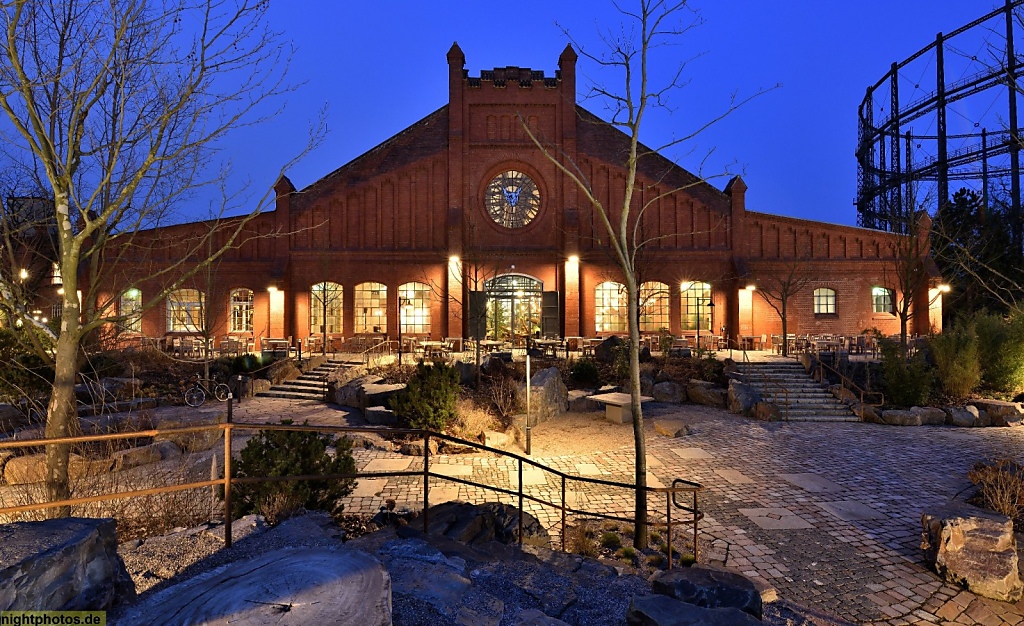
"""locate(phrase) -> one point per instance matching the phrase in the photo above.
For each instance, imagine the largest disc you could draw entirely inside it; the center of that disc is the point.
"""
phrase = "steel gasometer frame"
(893, 162)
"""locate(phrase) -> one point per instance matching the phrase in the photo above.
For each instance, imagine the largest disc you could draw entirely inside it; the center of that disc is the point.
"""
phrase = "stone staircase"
(308, 386)
(808, 401)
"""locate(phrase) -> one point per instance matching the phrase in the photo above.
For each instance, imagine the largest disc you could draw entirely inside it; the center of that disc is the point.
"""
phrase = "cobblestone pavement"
(827, 513)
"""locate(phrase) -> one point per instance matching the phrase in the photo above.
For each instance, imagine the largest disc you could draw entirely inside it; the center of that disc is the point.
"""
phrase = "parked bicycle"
(196, 394)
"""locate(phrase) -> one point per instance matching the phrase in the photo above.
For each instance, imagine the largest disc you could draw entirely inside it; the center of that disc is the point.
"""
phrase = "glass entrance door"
(514, 307)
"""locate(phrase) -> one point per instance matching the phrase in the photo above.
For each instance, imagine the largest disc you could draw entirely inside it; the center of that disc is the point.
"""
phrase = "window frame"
(131, 320)
(334, 321)
(371, 300)
(654, 306)
(880, 297)
(611, 311)
(241, 311)
(825, 301)
(695, 299)
(189, 318)
(414, 316)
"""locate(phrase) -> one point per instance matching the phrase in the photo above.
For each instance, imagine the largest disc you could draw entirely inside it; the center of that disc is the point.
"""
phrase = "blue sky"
(380, 66)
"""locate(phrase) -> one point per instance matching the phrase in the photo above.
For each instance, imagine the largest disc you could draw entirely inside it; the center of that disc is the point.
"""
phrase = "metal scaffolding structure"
(975, 70)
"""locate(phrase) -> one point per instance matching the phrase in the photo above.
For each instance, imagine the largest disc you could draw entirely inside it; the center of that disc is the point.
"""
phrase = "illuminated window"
(696, 298)
(130, 308)
(371, 300)
(881, 300)
(55, 277)
(610, 307)
(185, 311)
(414, 307)
(653, 306)
(325, 308)
(241, 311)
(824, 301)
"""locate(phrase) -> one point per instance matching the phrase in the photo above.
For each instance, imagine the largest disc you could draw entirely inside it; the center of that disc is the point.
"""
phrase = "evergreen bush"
(585, 372)
(429, 399)
(1001, 351)
(908, 380)
(292, 453)
(956, 357)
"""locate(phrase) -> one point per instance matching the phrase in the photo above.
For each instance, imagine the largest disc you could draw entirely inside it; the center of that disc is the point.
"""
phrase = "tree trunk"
(639, 442)
(61, 416)
(785, 330)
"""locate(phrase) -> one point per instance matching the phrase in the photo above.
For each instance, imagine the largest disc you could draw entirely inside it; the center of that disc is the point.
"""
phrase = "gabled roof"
(599, 139)
(424, 138)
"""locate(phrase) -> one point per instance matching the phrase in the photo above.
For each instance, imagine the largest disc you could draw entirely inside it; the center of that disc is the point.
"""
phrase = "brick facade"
(412, 210)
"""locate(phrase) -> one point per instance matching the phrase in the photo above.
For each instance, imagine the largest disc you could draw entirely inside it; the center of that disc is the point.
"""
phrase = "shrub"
(1001, 350)
(627, 553)
(665, 339)
(955, 352)
(1001, 487)
(579, 540)
(22, 373)
(292, 453)
(611, 541)
(429, 400)
(908, 380)
(506, 399)
(585, 372)
(621, 359)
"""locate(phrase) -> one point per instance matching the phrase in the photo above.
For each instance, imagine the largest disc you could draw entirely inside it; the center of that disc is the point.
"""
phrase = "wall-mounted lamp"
(272, 288)
(751, 287)
(23, 274)
(943, 288)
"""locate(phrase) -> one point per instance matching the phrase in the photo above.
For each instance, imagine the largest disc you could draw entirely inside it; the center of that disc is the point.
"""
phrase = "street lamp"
(402, 302)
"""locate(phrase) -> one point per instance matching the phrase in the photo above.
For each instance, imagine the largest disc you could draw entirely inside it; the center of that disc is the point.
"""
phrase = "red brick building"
(460, 225)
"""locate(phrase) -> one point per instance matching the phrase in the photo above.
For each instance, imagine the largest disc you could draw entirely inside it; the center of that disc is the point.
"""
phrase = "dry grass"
(1001, 488)
(505, 396)
(579, 539)
(472, 421)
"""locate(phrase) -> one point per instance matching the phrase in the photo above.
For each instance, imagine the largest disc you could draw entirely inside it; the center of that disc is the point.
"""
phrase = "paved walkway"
(827, 513)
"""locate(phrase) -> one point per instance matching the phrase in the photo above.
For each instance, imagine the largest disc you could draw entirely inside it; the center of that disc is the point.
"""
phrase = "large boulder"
(293, 585)
(467, 372)
(548, 395)
(706, 393)
(380, 416)
(659, 610)
(977, 551)
(742, 397)
(709, 588)
(421, 571)
(646, 384)
(964, 417)
(192, 441)
(669, 391)
(478, 524)
(867, 412)
(766, 412)
(605, 351)
(930, 415)
(350, 393)
(134, 457)
(1001, 413)
(671, 428)
(898, 417)
(67, 564)
(580, 402)
(843, 394)
(31, 468)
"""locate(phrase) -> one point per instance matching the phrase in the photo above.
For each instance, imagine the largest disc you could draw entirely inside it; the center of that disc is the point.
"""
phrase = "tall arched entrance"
(514, 304)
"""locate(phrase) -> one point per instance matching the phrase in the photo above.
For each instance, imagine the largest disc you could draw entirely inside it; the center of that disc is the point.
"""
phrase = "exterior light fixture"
(272, 288)
(751, 287)
(944, 288)
(574, 259)
(453, 259)
(60, 292)
(23, 274)
(685, 285)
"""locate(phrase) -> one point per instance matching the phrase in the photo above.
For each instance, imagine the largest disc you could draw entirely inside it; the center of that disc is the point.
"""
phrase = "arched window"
(414, 308)
(610, 307)
(882, 300)
(325, 308)
(241, 311)
(185, 311)
(653, 306)
(824, 301)
(371, 302)
(130, 309)
(696, 298)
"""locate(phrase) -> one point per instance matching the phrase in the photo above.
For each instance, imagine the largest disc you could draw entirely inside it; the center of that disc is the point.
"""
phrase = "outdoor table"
(549, 346)
(489, 344)
(617, 406)
(433, 348)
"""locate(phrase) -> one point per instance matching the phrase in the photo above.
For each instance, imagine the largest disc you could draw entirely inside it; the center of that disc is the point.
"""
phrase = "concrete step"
(290, 395)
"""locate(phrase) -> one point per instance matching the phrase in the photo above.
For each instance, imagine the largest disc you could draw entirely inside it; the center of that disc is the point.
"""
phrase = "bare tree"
(116, 104)
(906, 273)
(778, 287)
(627, 53)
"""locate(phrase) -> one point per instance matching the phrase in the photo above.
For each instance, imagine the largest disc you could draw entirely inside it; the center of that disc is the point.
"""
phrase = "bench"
(616, 406)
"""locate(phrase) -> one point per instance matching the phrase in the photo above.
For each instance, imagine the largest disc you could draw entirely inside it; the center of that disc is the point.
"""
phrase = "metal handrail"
(852, 386)
(769, 383)
(671, 493)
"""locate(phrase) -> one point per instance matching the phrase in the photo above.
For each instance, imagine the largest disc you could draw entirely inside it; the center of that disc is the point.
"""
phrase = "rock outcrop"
(669, 391)
(548, 395)
(68, 564)
(709, 588)
(706, 393)
(976, 550)
(742, 397)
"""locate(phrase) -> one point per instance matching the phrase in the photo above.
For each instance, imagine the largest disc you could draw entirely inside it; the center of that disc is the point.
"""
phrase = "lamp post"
(402, 302)
(711, 305)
